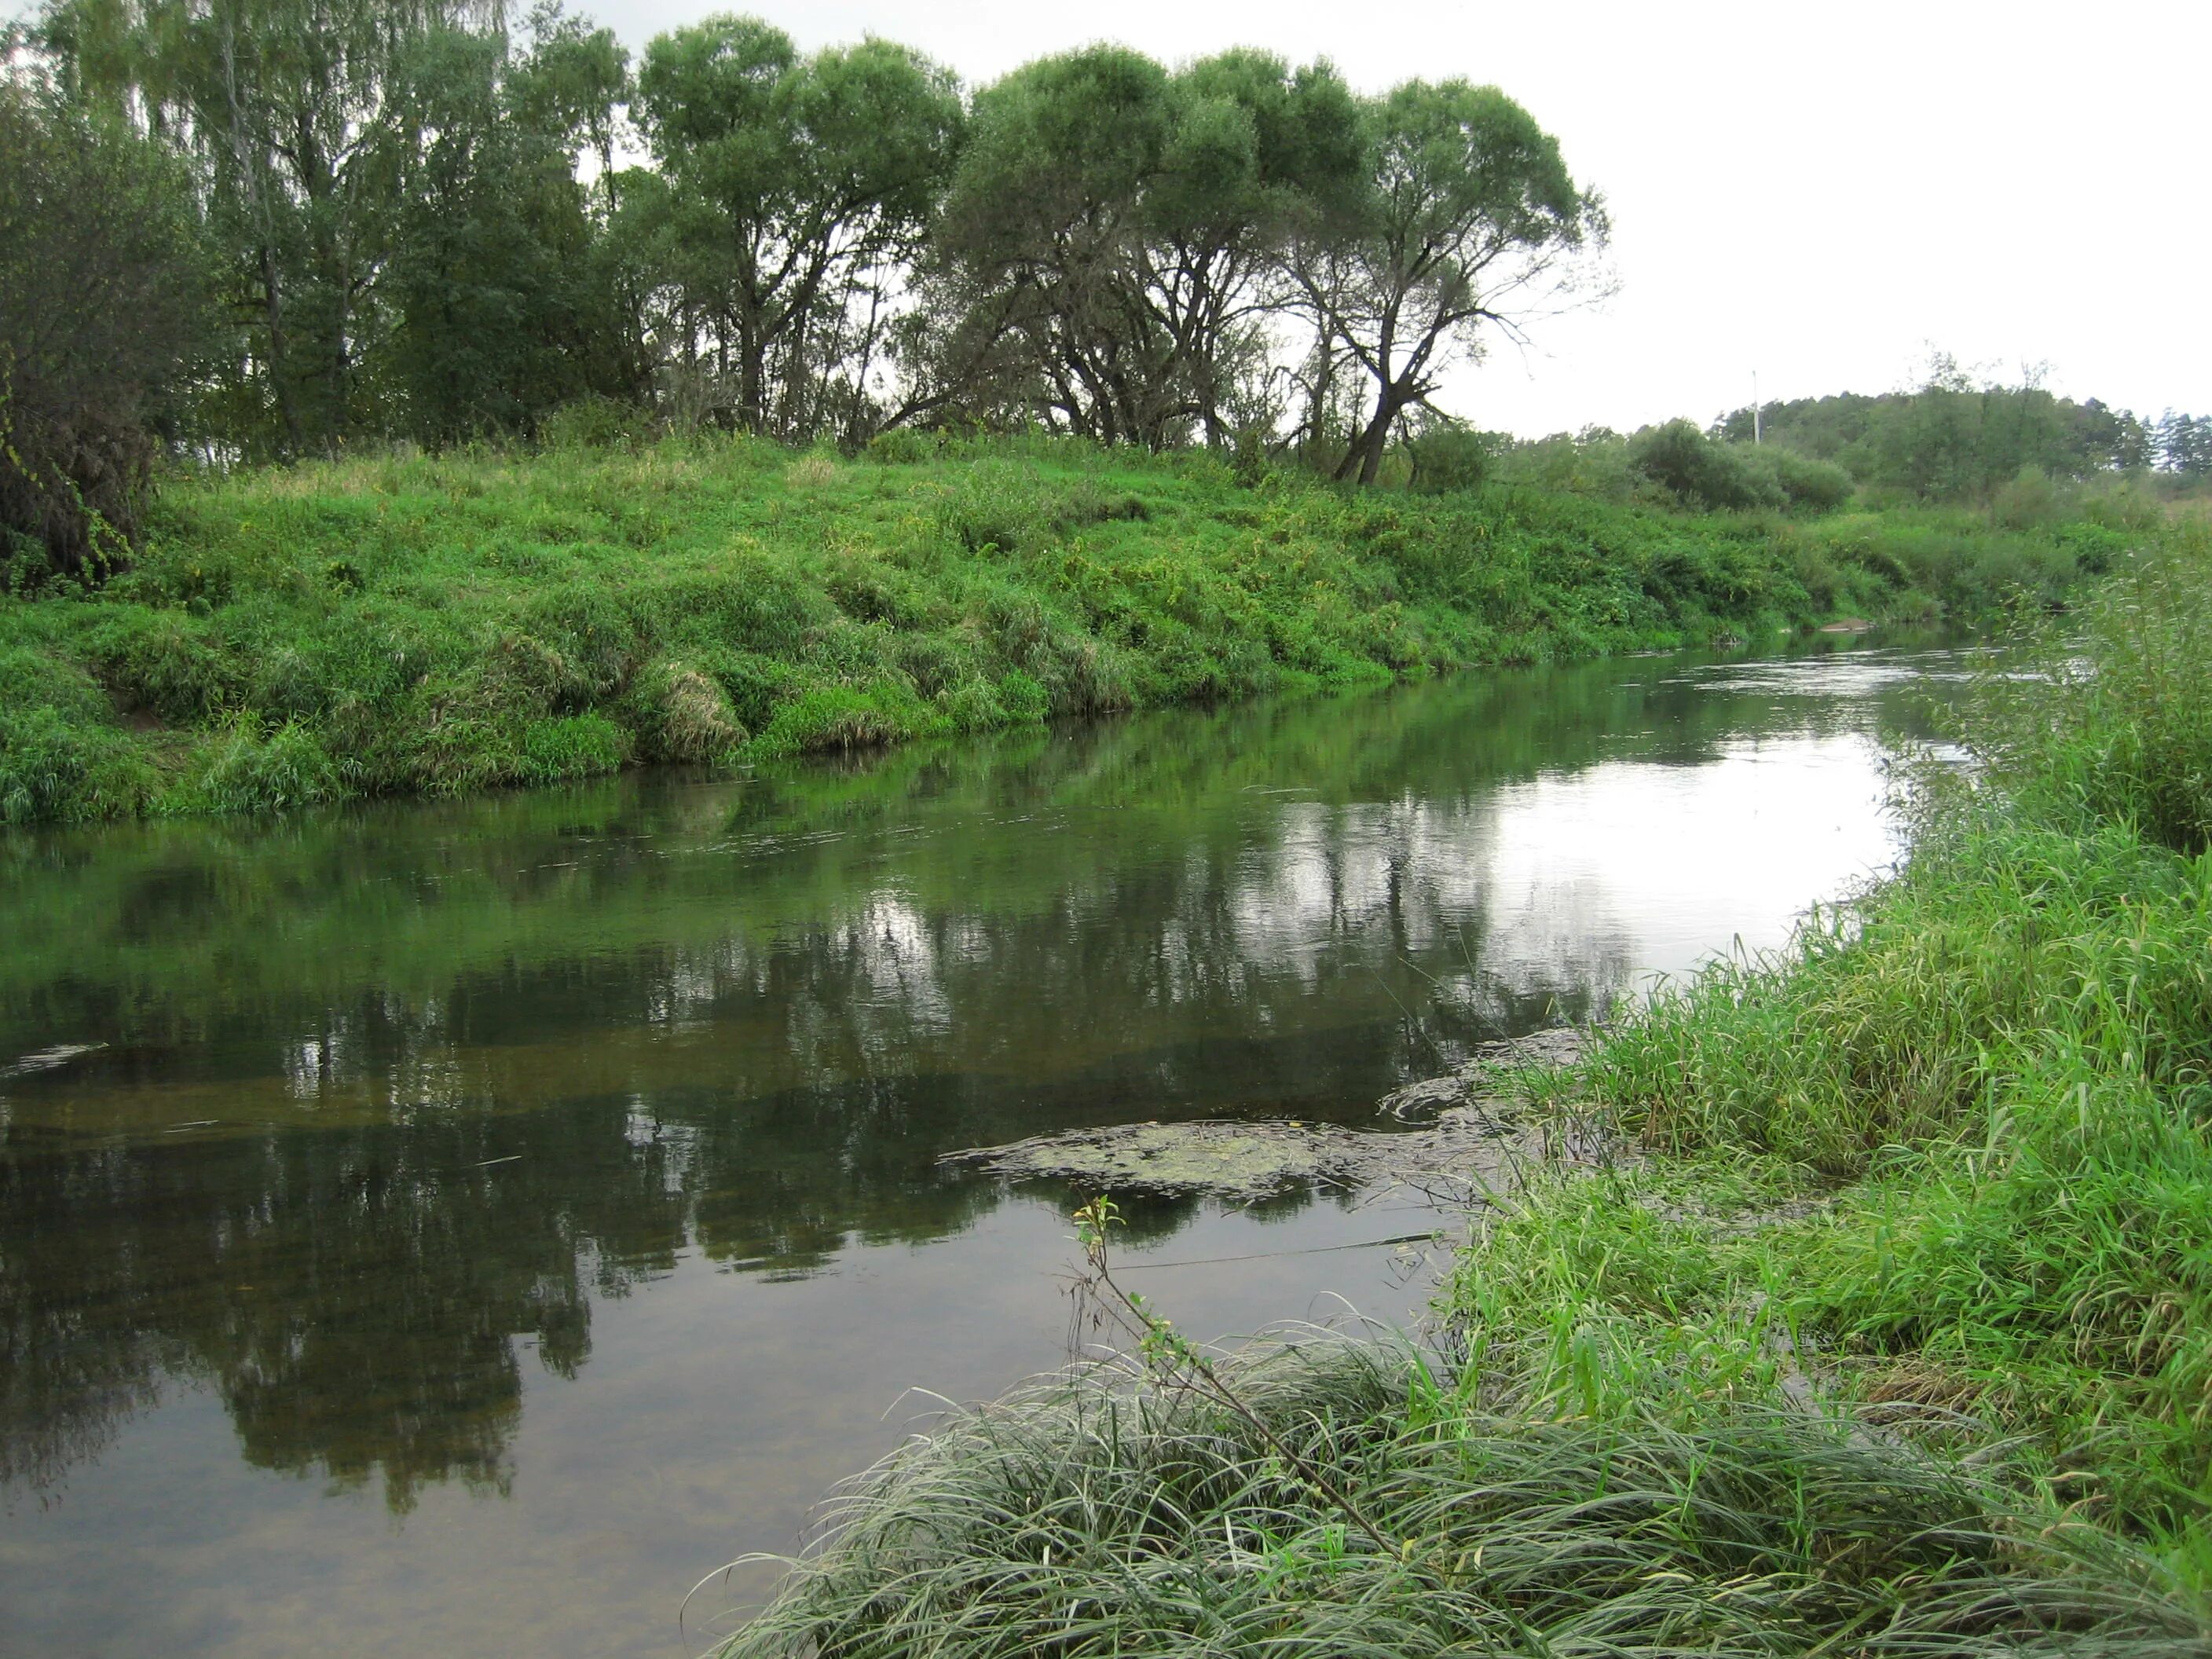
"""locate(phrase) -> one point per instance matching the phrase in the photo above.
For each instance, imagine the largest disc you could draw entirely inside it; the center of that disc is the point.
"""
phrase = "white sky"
(1818, 193)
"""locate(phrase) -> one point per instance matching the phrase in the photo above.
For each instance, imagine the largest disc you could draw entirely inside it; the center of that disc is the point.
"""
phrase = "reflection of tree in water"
(354, 1296)
(526, 1051)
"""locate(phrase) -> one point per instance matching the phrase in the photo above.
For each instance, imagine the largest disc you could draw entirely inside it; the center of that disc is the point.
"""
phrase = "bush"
(902, 445)
(596, 422)
(1698, 472)
(2026, 502)
(102, 309)
(1820, 485)
(1450, 458)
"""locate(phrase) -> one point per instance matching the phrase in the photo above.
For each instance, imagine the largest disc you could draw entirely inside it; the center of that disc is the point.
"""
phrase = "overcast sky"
(1817, 193)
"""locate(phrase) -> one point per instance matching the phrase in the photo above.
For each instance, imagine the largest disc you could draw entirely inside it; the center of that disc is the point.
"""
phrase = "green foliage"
(247, 769)
(1819, 485)
(103, 313)
(1091, 1515)
(571, 746)
(1980, 1089)
(1450, 458)
(441, 624)
(1463, 199)
(52, 766)
(1700, 471)
(1956, 439)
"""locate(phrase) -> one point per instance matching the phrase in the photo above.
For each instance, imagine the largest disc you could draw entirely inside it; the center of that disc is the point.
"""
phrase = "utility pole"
(1754, 406)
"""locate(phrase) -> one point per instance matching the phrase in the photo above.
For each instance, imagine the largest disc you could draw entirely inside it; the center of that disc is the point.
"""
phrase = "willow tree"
(1112, 222)
(103, 296)
(294, 113)
(791, 192)
(1466, 221)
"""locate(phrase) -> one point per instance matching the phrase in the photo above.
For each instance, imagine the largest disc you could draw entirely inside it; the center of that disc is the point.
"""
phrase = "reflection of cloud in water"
(1672, 861)
(1854, 674)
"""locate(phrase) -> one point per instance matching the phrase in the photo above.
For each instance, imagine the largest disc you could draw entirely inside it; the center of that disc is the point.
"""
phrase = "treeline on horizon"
(239, 231)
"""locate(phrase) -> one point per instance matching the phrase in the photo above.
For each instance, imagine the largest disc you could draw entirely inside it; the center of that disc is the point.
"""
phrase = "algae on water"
(1475, 1134)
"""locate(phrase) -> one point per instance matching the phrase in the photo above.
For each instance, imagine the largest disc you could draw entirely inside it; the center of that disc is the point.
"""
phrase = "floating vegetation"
(1476, 1133)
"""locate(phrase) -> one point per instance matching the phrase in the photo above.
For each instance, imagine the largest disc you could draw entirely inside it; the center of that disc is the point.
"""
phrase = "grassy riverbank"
(437, 625)
(1891, 1339)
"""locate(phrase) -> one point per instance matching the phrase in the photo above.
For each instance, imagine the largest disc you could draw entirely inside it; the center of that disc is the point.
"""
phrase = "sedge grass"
(1094, 1513)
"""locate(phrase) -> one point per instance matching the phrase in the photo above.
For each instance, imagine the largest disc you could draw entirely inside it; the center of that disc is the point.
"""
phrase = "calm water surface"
(456, 1229)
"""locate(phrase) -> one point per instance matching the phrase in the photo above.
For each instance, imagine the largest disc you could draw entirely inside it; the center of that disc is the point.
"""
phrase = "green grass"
(1101, 1514)
(435, 625)
(1885, 1328)
(1954, 1138)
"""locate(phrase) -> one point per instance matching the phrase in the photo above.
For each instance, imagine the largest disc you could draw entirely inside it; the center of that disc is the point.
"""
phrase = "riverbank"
(437, 625)
(1890, 1339)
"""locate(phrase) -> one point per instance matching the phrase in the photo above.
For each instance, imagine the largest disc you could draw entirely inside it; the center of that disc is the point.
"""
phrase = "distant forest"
(1954, 439)
(250, 230)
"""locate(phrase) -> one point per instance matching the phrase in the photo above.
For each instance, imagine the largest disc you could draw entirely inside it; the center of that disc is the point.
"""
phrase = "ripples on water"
(456, 1228)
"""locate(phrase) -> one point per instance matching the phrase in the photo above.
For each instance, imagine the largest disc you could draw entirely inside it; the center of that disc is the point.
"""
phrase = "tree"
(103, 313)
(1111, 225)
(792, 191)
(500, 313)
(1466, 220)
(292, 111)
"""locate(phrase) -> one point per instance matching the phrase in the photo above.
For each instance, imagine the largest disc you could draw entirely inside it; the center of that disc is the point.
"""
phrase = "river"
(457, 1227)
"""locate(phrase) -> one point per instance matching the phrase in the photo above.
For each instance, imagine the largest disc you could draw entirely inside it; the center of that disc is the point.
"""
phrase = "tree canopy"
(345, 221)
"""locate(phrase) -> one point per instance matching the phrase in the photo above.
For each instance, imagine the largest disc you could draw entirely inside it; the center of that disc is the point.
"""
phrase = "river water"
(456, 1229)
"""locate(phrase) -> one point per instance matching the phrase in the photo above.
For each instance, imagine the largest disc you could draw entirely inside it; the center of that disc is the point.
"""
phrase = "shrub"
(902, 445)
(103, 306)
(1820, 485)
(593, 421)
(2025, 501)
(1698, 471)
(1450, 458)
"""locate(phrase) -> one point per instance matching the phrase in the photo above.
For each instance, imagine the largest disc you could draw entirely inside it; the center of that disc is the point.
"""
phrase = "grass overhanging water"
(401, 625)
(1887, 1331)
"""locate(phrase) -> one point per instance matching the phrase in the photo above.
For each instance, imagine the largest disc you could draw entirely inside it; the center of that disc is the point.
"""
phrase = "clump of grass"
(1093, 1513)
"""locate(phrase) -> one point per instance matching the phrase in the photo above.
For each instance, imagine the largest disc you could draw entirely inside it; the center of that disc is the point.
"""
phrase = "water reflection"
(352, 1121)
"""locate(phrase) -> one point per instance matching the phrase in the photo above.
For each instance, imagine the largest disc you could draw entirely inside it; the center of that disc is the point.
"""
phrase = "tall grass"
(1994, 1073)
(1092, 1514)
(436, 624)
